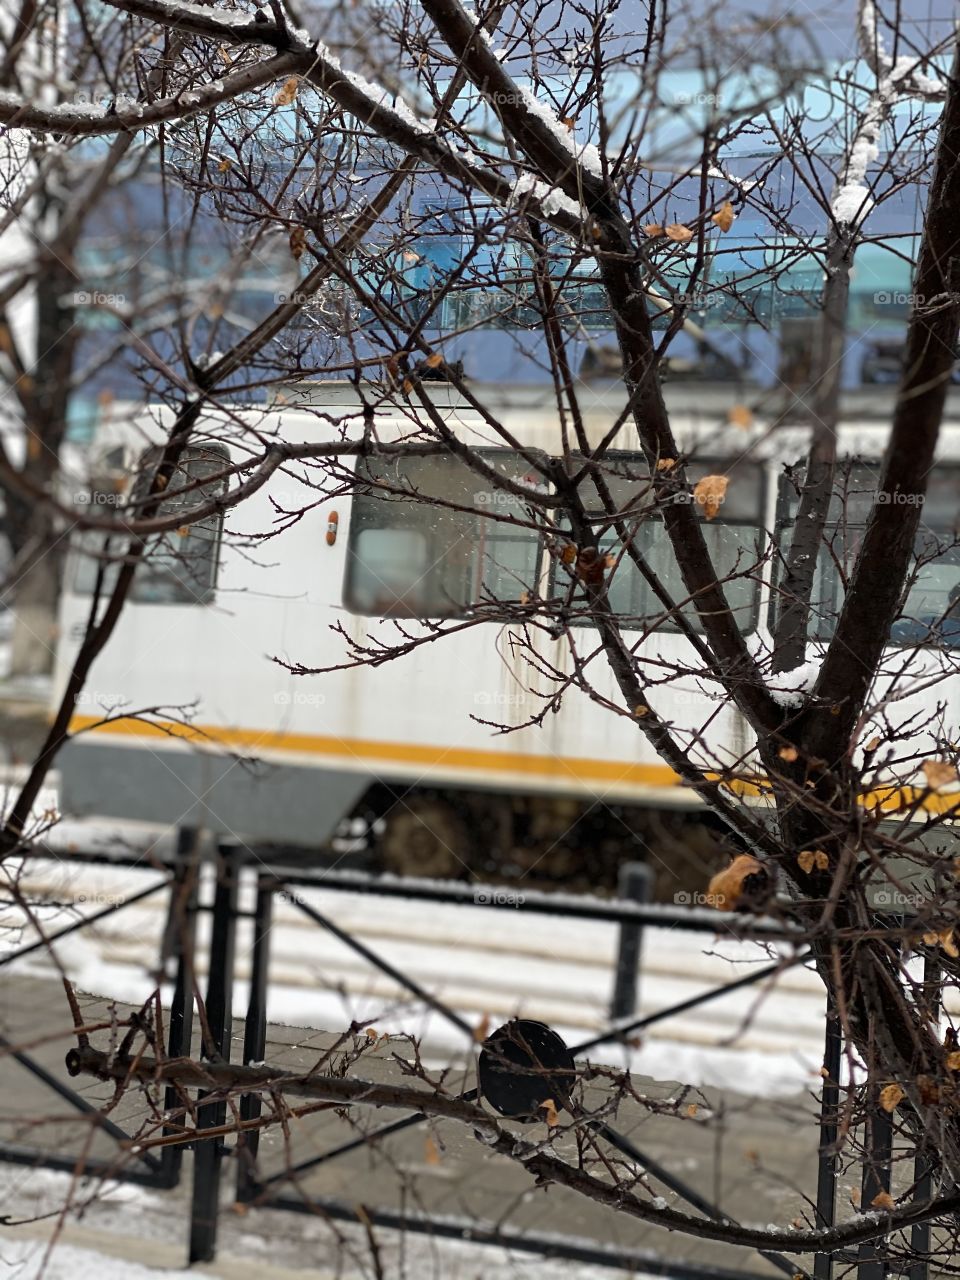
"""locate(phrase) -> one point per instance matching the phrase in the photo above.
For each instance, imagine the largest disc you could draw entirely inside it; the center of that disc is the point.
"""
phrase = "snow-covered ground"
(126, 1234)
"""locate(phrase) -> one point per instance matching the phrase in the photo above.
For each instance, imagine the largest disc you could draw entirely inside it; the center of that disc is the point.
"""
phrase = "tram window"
(179, 566)
(409, 557)
(931, 612)
(733, 538)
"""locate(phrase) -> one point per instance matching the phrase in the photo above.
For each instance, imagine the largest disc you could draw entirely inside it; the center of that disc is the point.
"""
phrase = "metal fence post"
(923, 1183)
(634, 883)
(877, 1156)
(178, 943)
(828, 1158)
(255, 1039)
(208, 1156)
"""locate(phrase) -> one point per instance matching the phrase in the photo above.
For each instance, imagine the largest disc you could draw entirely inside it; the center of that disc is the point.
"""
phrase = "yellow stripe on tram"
(885, 800)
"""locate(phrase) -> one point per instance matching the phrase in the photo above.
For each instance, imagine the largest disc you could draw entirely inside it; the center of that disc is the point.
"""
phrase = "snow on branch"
(853, 200)
(906, 70)
(390, 118)
(587, 155)
(91, 119)
(543, 138)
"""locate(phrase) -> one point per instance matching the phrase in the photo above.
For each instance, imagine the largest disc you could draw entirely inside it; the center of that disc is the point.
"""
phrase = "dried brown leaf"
(938, 773)
(891, 1096)
(724, 216)
(745, 876)
(288, 92)
(709, 494)
(740, 415)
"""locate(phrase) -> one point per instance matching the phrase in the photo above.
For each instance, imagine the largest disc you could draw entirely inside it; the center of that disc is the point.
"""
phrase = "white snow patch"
(587, 155)
(379, 96)
(791, 687)
(852, 203)
(549, 198)
(24, 1260)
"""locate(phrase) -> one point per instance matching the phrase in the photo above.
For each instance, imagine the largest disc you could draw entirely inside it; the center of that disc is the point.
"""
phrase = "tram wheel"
(426, 836)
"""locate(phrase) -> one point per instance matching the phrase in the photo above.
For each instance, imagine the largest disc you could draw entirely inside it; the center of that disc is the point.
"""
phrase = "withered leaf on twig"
(709, 493)
(745, 883)
(740, 415)
(938, 773)
(891, 1096)
(724, 216)
(809, 859)
(288, 92)
(298, 242)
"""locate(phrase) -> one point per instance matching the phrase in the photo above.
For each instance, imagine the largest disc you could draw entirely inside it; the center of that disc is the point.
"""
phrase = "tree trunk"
(44, 396)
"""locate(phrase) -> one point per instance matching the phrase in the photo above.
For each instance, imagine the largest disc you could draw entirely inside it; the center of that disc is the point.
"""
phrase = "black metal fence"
(631, 913)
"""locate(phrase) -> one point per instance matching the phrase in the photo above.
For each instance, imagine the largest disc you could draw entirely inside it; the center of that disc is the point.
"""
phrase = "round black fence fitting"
(522, 1065)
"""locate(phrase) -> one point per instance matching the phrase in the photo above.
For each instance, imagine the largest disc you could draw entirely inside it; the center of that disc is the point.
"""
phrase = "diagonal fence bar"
(79, 1103)
(613, 1033)
(384, 966)
(43, 943)
(686, 1192)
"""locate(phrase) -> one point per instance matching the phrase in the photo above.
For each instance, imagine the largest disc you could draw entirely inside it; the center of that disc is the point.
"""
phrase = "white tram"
(274, 757)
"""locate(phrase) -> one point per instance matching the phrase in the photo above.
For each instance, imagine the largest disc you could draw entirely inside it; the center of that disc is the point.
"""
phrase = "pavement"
(743, 1134)
(754, 1158)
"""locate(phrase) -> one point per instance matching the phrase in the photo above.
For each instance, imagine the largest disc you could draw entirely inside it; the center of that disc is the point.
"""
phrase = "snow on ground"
(29, 1260)
(128, 1233)
(34, 1260)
